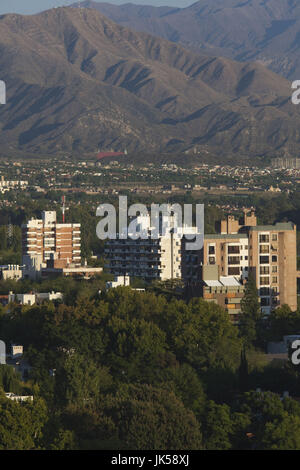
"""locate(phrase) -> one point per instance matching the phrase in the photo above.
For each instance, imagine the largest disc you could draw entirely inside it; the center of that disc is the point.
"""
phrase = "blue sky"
(33, 6)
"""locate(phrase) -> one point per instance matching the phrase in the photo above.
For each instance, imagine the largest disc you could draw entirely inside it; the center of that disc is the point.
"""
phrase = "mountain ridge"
(77, 83)
(252, 30)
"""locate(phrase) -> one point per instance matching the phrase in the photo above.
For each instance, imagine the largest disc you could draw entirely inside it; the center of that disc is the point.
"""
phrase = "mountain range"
(78, 83)
(244, 30)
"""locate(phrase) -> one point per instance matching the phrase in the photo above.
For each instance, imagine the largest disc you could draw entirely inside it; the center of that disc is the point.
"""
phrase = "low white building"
(18, 398)
(33, 298)
(11, 271)
(120, 281)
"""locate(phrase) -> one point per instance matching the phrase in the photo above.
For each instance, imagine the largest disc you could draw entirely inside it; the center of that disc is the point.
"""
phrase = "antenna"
(63, 209)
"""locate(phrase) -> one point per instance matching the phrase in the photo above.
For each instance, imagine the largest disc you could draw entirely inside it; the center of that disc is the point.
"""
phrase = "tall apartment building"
(268, 252)
(151, 258)
(273, 261)
(45, 239)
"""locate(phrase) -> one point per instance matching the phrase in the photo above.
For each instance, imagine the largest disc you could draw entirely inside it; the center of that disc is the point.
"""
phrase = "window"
(274, 237)
(264, 239)
(264, 302)
(264, 291)
(233, 250)
(274, 269)
(264, 249)
(264, 270)
(264, 281)
(233, 260)
(211, 250)
(274, 259)
(264, 259)
(211, 260)
(274, 279)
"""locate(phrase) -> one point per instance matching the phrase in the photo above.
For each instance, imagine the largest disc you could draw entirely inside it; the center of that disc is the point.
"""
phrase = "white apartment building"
(157, 258)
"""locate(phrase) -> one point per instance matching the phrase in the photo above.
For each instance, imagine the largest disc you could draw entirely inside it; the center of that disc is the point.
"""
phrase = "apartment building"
(45, 239)
(150, 259)
(269, 253)
(158, 258)
(273, 262)
(226, 291)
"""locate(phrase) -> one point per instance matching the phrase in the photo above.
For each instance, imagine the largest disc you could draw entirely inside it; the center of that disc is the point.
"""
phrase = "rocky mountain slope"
(77, 83)
(243, 30)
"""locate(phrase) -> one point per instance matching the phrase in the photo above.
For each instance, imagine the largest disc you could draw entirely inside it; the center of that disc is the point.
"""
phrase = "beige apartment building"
(45, 239)
(268, 252)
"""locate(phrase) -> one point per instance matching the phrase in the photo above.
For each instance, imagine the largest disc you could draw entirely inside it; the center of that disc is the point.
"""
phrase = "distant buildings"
(286, 163)
(8, 185)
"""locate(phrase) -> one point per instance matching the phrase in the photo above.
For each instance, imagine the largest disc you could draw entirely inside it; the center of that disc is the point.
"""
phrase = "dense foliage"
(137, 370)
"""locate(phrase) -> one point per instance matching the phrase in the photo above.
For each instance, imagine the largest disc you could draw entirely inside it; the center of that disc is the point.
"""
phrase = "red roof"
(109, 154)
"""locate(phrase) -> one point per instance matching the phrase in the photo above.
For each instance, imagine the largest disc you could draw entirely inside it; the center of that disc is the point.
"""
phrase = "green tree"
(154, 419)
(21, 424)
(281, 322)
(251, 315)
(81, 381)
(243, 372)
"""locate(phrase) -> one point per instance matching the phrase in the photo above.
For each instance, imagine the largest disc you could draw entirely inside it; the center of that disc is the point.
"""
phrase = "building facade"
(269, 253)
(226, 291)
(45, 239)
(157, 258)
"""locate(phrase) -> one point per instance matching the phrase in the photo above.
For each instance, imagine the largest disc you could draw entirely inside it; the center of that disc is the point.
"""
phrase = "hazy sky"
(33, 6)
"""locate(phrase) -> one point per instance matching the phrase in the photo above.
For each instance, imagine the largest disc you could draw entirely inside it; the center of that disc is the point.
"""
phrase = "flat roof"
(225, 281)
(211, 283)
(229, 281)
(276, 227)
